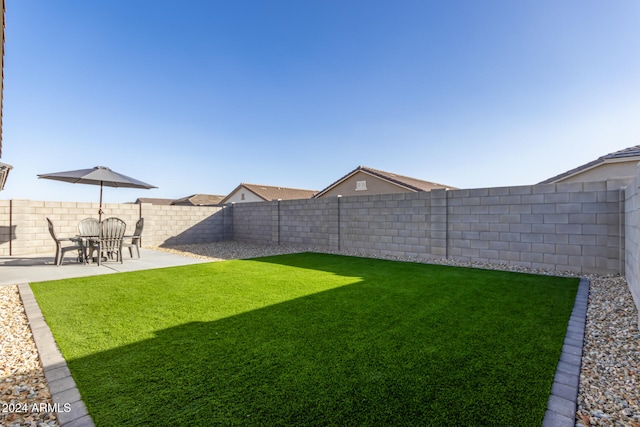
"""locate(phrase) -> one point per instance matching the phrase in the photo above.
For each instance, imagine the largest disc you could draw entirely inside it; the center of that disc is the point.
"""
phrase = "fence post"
(275, 222)
(339, 225)
(439, 239)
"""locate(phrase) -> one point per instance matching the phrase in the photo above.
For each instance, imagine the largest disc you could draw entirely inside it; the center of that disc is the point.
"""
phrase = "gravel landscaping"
(25, 399)
(609, 392)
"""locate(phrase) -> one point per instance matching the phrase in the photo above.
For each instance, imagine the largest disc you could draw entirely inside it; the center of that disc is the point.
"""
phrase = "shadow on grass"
(407, 345)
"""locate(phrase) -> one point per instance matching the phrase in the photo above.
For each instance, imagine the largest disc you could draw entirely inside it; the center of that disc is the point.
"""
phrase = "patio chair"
(61, 250)
(88, 228)
(135, 239)
(110, 241)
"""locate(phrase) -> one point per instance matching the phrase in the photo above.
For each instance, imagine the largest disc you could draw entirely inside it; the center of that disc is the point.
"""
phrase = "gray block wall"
(307, 222)
(24, 231)
(574, 227)
(632, 239)
(578, 227)
(385, 224)
(255, 222)
(566, 227)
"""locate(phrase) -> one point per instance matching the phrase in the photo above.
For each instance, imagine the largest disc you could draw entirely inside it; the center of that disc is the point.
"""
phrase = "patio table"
(86, 242)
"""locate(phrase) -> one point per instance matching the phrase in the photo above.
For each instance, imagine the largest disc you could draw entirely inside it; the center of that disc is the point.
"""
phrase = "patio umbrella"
(99, 175)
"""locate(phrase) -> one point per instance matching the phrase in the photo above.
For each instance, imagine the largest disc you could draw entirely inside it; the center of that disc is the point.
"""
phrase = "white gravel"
(609, 392)
(24, 394)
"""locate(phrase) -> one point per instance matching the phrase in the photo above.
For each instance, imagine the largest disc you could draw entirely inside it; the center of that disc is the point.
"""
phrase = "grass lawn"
(311, 339)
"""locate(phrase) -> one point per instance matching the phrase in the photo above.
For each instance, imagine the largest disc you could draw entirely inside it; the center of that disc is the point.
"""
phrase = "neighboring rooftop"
(193, 200)
(4, 172)
(198, 200)
(270, 192)
(154, 201)
(412, 184)
(625, 155)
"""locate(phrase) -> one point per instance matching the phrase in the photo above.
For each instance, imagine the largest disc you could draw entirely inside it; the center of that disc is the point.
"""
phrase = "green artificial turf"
(311, 339)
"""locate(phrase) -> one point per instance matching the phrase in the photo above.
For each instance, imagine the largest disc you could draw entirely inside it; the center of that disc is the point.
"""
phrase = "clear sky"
(197, 96)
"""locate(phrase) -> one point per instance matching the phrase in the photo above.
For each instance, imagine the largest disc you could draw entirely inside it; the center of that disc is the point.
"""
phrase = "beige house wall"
(374, 185)
(625, 171)
(249, 196)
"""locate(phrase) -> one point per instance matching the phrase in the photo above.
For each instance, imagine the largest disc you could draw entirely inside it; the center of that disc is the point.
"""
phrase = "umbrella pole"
(100, 209)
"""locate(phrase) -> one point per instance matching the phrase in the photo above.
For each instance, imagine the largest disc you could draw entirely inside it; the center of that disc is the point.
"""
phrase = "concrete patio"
(37, 268)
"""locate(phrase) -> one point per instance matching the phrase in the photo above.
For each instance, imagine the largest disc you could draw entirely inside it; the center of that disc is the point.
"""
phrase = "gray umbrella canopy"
(99, 175)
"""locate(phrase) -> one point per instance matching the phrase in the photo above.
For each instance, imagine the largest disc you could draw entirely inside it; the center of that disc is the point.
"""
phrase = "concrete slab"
(28, 269)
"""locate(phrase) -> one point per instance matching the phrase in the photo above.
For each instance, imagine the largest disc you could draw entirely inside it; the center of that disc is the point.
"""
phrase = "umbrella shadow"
(7, 233)
(14, 261)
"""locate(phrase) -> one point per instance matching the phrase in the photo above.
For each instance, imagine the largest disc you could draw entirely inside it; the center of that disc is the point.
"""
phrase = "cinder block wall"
(25, 225)
(632, 239)
(386, 224)
(307, 222)
(575, 227)
(24, 231)
(255, 222)
(181, 225)
(6, 232)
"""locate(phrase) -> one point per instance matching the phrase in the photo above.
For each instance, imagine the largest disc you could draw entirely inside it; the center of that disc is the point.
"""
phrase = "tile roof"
(4, 172)
(408, 182)
(616, 155)
(199, 200)
(270, 192)
(154, 201)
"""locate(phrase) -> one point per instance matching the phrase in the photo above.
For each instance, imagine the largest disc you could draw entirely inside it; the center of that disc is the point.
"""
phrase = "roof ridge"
(625, 152)
(276, 186)
(402, 176)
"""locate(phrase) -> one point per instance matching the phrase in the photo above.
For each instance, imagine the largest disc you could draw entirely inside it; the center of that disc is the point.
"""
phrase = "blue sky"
(197, 96)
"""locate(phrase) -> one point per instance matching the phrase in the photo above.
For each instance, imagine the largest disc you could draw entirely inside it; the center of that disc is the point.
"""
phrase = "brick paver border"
(562, 406)
(71, 410)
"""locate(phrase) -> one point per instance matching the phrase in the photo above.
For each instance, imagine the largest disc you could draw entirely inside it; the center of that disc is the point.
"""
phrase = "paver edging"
(70, 409)
(563, 401)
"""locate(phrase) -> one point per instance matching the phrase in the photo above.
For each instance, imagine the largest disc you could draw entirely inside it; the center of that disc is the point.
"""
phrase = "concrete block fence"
(24, 231)
(580, 227)
(632, 239)
(572, 227)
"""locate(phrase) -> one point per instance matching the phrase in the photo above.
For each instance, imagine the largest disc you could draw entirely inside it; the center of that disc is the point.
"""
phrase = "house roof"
(4, 172)
(199, 200)
(154, 201)
(413, 184)
(621, 155)
(270, 192)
